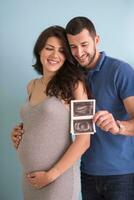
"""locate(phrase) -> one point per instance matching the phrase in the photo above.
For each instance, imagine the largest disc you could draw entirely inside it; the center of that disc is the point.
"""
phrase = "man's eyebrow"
(84, 42)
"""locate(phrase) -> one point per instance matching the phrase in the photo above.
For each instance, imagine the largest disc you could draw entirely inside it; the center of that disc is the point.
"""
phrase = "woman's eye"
(49, 49)
(62, 51)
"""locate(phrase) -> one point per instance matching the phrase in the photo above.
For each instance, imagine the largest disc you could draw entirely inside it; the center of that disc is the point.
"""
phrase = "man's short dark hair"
(77, 24)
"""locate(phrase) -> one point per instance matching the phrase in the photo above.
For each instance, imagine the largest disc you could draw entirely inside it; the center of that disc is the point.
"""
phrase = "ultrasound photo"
(82, 112)
(83, 126)
(83, 108)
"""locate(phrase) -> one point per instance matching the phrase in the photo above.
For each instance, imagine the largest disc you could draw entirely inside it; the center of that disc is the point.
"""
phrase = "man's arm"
(17, 131)
(127, 127)
(106, 121)
(16, 135)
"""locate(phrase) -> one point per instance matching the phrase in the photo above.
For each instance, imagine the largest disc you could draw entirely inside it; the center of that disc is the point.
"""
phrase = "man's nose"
(79, 52)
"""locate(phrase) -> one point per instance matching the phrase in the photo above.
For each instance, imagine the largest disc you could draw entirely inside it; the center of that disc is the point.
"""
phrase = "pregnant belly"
(40, 152)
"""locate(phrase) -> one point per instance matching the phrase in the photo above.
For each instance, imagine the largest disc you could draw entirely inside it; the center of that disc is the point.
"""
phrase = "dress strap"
(31, 88)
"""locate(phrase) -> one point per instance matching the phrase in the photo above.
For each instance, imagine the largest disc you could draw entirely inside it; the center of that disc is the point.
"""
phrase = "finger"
(104, 119)
(18, 127)
(16, 142)
(107, 127)
(19, 137)
(16, 139)
(36, 186)
(20, 132)
(99, 114)
(16, 134)
(31, 175)
(104, 123)
(32, 181)
(13, 133)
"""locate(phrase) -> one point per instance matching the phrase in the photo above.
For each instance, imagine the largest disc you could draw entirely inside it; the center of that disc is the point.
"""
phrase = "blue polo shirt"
(111, 81)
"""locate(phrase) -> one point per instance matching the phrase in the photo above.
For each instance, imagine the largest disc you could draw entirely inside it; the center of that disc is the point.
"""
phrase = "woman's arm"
(73, 153)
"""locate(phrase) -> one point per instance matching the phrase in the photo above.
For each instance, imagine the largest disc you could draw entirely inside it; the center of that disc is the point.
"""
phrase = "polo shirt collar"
(100, 61)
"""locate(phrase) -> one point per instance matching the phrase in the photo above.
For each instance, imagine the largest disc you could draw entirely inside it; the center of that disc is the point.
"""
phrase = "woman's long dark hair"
(66, 79)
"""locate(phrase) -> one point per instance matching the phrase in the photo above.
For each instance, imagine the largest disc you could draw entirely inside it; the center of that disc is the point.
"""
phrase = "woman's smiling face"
(52, 55)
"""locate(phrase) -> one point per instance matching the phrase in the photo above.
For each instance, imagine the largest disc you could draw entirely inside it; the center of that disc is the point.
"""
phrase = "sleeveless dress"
(45, 140)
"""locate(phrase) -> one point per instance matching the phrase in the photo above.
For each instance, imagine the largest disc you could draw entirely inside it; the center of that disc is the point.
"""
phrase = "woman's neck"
(46, 78)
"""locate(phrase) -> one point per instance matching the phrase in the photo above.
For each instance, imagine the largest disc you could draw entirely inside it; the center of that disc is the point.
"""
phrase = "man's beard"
(91, 58)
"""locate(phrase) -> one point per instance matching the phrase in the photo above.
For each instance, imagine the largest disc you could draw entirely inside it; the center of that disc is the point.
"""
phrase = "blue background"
(20, 24)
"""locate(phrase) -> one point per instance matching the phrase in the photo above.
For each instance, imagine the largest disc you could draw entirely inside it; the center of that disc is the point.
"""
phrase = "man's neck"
(95, 61)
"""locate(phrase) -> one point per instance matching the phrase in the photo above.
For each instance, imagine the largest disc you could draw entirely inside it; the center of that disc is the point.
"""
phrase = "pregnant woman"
(47, 153)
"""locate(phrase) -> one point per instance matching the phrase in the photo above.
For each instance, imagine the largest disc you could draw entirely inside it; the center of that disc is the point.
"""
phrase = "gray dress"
(45, 140)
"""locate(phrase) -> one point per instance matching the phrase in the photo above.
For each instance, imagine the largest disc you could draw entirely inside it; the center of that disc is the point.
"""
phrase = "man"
(107, 168)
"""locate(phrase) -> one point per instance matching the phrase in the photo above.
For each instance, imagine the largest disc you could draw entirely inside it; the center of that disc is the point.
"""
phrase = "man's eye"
(72, 47)
(84, 45)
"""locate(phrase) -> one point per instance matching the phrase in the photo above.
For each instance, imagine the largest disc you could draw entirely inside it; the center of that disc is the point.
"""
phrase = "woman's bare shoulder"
(31, 84)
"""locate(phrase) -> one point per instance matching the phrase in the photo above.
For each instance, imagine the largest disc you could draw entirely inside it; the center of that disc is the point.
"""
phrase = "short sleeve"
(124, 80)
